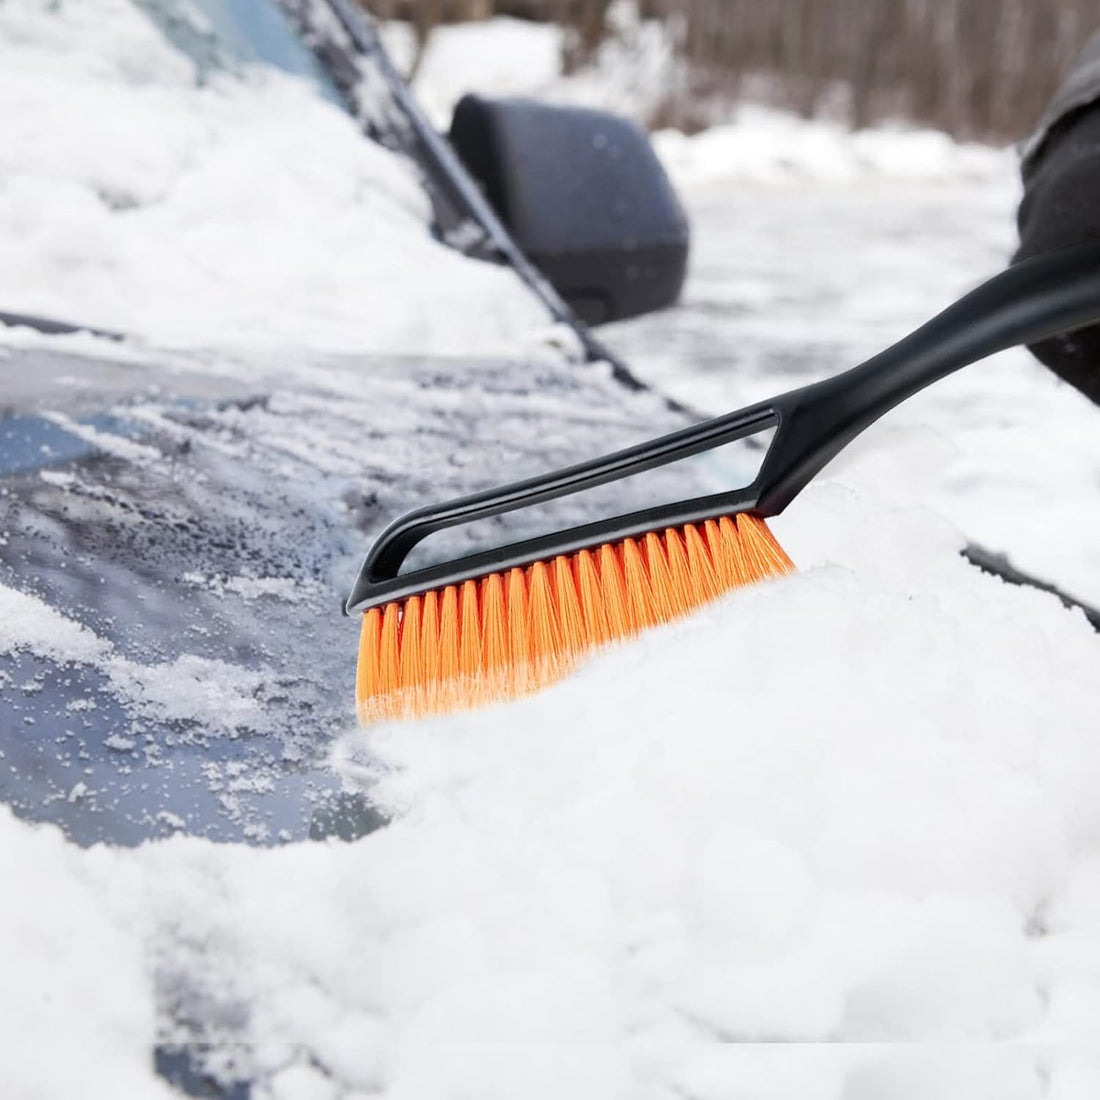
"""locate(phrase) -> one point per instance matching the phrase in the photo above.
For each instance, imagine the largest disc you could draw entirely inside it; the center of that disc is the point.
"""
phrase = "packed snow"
(245, 212)
(836, 837)
(608, 883)
(768, 147)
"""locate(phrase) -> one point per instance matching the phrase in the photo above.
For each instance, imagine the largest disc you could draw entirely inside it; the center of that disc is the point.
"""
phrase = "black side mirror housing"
(585, 197)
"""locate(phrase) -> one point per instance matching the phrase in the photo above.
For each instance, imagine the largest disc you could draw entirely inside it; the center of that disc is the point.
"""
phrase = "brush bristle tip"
(510, 634)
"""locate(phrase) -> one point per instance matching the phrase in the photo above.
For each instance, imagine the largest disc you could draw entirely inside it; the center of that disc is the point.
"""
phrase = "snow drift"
(879, 832)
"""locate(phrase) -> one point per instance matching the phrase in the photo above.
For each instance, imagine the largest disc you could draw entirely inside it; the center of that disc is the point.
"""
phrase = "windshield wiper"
(49, 326)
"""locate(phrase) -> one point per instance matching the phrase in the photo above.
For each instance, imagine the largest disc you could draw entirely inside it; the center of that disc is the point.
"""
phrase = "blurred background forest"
(977, 69)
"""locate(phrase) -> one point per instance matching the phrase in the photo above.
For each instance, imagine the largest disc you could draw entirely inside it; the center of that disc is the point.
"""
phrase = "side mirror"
(584, 196)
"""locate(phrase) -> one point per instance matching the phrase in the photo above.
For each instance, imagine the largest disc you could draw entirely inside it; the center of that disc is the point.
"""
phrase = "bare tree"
(976, 68)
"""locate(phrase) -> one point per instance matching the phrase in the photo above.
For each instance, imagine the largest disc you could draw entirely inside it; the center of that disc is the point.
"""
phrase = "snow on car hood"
(179, 531)
(874, 835)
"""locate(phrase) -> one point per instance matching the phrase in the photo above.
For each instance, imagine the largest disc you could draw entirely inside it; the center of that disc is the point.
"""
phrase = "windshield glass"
(218, 34)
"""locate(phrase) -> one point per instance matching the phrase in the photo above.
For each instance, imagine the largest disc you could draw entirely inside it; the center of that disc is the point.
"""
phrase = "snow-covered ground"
(835, 838)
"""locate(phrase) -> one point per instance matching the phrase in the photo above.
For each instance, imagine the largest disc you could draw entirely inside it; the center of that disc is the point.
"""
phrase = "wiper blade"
(50, 326)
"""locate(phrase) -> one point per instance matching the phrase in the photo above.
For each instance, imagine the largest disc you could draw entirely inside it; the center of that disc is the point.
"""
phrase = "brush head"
(509, 634)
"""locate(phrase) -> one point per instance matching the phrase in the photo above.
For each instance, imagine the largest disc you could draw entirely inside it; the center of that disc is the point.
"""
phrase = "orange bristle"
(592, 597)
(511, 634)
(515, 615)
(494, 631)
(637, 584)
(700, 567)
(387, 673)
(720, 555)
(448, 635)
(665, 597)
(411, 657)
(570, 622)
(469, 640)
(679, 569)
(620, 620)
(429, 642)
(367, 686)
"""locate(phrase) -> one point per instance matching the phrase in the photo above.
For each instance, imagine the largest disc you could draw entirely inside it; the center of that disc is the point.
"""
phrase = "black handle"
(1039, 298)
(1032, 301)
(379, 578)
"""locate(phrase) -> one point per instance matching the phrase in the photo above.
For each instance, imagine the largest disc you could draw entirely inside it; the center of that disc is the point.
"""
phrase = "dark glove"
(1060, 208)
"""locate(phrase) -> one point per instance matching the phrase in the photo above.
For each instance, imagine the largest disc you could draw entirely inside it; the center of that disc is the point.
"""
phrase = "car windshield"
(185, 508)
(216, 188)
(230, 34)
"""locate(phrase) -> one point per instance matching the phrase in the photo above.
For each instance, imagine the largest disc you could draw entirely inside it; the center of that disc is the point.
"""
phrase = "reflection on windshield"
(227, 34)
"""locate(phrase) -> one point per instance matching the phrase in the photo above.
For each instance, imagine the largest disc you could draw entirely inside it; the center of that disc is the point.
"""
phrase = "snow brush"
(504, 622)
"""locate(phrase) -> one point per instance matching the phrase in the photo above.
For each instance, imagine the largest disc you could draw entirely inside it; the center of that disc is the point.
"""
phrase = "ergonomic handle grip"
(1032, 301)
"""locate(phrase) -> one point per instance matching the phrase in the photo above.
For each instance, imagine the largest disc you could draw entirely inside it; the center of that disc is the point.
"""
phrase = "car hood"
(178, 532)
